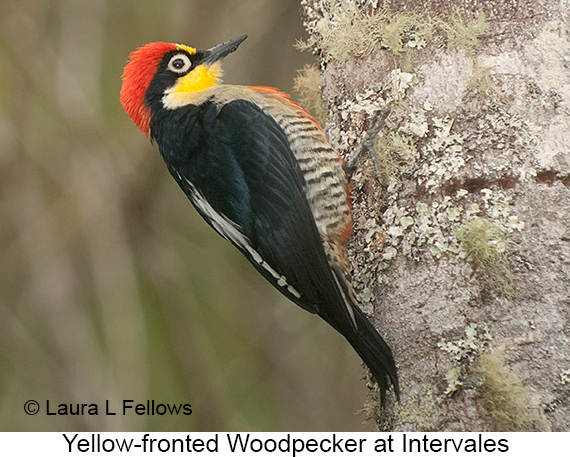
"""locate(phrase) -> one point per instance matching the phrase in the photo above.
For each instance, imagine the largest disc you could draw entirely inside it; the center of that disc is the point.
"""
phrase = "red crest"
(137, 76)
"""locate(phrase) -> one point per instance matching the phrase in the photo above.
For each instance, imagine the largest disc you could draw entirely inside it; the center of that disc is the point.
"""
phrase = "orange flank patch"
(345, 235)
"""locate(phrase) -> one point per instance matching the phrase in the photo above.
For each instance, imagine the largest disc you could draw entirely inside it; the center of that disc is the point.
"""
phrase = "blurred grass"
(111, 286)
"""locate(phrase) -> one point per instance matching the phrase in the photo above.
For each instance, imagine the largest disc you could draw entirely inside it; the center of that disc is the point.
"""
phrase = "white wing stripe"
(230, 231)
(346, 302)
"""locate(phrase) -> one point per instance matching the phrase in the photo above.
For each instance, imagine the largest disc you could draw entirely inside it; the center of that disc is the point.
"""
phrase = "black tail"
(375, 353)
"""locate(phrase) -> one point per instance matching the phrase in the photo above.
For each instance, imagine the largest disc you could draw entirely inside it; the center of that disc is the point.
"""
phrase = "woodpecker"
(259, 170)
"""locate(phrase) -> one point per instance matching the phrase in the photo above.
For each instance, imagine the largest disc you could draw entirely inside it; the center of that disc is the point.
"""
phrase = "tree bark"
(461, 244)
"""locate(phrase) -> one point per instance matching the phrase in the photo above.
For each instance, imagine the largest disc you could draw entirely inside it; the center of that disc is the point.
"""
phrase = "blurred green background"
(111, 286)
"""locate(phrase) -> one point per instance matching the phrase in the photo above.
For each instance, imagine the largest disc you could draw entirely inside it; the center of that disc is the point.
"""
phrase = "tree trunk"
(461, 245)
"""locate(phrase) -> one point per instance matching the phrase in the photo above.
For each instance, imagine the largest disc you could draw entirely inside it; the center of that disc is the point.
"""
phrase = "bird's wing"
(243, 178)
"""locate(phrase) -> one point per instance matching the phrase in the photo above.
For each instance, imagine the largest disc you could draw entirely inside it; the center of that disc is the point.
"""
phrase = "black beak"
(222, 50)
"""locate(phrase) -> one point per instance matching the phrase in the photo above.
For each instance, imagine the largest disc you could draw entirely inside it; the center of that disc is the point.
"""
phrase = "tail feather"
(375, 353)
(356, 327)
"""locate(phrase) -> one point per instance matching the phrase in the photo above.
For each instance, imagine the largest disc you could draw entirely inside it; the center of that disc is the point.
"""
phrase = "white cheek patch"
(230, 231)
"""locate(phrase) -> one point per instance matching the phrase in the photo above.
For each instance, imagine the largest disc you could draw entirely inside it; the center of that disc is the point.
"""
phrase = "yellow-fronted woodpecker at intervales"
(259, 170)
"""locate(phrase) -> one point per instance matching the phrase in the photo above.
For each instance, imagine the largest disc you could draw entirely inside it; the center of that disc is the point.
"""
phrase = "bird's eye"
(179, 63)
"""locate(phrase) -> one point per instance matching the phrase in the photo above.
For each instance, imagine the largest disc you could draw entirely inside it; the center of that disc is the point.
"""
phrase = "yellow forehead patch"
(199, 78)
(188, 87)
(188, 49)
